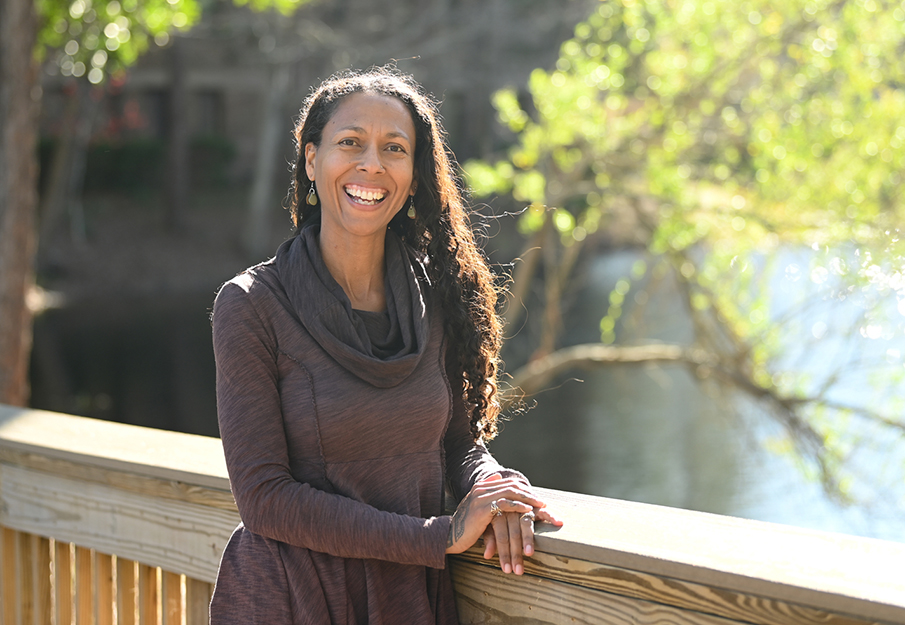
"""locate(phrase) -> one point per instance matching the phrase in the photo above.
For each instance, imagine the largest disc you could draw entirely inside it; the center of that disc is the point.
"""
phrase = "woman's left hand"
(512, 535)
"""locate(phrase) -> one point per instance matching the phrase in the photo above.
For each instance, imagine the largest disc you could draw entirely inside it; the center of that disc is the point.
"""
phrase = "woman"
(356, 376)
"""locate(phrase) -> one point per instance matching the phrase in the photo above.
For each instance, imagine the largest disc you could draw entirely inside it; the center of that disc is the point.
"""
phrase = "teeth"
(368, 195)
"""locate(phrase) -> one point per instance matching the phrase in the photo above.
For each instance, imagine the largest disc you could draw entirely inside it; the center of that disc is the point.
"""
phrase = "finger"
(546, 516)
(501, 532)
(515, 543)
(489, 543)
(527, 525)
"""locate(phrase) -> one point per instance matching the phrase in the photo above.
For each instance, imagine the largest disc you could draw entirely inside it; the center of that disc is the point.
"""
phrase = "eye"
(347, 142)
(396, 148)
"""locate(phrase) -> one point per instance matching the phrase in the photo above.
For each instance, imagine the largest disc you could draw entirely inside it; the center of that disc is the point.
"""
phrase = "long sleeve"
(271, 502)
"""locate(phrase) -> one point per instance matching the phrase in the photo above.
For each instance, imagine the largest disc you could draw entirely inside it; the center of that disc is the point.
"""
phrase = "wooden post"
(84, 587)
(197, 601)
(103, 585)
(25, 574)
(8, 586)
(148, 595)
(62, 574)
(126, 591)
(41, 556)
(172, 598)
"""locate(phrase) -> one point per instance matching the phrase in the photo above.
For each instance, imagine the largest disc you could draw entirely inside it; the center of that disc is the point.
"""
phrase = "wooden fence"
(109, 523)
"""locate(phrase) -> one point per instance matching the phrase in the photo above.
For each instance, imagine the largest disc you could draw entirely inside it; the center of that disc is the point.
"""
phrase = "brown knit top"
(338, 442)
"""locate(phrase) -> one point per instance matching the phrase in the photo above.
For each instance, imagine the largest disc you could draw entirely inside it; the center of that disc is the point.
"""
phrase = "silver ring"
(528, 516)
(495, 508)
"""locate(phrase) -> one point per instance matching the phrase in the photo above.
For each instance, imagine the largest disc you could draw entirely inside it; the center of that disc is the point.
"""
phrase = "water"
(654, 434)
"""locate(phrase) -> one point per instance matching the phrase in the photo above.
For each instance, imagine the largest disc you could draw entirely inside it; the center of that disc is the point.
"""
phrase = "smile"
(363, 195)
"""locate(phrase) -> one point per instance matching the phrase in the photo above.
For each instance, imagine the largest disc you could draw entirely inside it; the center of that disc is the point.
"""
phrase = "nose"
(370, 160)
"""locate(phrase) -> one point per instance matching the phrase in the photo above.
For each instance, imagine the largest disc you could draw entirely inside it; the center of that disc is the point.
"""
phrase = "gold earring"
(411, 210)
(312, 196)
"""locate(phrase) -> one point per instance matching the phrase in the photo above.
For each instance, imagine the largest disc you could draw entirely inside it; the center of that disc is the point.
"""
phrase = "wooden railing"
(108, 523)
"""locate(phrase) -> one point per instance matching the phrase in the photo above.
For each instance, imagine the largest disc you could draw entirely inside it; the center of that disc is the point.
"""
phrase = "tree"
(88, 39)
(18, 184)
(726, 138)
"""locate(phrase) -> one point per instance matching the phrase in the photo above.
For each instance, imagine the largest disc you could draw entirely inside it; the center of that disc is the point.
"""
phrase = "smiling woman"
(356, 377)
(364, 172)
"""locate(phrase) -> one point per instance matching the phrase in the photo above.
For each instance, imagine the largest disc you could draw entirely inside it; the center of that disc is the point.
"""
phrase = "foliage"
(737, 135)
(96, 38)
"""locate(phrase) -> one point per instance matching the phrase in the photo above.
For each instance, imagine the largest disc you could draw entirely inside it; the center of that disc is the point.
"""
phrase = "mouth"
(365, 195)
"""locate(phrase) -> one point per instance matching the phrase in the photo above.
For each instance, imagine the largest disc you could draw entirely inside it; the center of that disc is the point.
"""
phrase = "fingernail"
(519, 569)
(529, 550)
(507, 568)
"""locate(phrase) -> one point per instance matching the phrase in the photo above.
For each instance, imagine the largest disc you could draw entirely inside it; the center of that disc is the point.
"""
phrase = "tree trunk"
(19, 98)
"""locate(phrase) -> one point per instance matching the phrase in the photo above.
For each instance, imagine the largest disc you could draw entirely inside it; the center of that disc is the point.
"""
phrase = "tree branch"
(532, 377)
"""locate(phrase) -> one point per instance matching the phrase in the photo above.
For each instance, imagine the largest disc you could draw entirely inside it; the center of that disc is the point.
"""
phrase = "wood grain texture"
(170, 456)
(104, 589)
(84, 586)
(9, 588)
(126, 591)
(42, 551)
(197, 601)
(486, 596)
(148, 595)
(25, 572)
(667, 591)
(170, 533)
(129, 481)
(63, 582)
(837, 573)
(171, 598)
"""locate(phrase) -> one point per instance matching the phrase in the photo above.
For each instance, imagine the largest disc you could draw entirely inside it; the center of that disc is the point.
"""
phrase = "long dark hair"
(440, 232)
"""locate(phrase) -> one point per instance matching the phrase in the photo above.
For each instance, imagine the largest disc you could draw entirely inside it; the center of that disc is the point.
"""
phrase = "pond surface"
(652, 434)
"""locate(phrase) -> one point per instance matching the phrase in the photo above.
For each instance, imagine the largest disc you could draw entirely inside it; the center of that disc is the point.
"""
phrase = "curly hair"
(440, 232)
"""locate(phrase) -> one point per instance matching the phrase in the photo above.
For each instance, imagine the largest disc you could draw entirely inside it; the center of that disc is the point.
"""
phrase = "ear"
(414, 184)
(310, 153)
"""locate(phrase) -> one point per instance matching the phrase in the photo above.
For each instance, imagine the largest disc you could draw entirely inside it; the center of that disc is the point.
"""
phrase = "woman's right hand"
(475, 512)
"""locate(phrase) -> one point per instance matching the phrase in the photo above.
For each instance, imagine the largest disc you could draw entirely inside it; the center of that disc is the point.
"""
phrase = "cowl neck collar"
(326, 312)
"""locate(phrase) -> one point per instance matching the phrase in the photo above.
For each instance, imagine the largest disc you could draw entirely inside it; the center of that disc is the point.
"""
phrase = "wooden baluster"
(84, 587)
(148, 595)
(103, 584)
(197, 601)
(8, 585)
(126, 591)
(62, 587)
(26, 566)
(41, 550)
(172, 598)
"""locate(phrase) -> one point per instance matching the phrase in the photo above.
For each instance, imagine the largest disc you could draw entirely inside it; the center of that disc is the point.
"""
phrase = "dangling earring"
(411, 210)
(312, 196)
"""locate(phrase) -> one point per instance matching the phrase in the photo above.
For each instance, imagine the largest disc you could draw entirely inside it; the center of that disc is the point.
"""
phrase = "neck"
(358, 267)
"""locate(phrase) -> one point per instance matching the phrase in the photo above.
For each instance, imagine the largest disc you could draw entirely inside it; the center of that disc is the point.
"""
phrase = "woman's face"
(364, 167)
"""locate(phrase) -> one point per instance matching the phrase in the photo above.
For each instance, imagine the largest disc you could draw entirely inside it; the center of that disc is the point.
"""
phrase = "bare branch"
(532, 377)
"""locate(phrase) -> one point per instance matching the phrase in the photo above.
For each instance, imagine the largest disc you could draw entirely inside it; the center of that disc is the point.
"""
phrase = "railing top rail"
(835, 572)
(187, 458)
(839, 572)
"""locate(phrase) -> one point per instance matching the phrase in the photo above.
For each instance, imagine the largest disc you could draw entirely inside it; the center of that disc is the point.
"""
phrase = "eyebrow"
(360, 130)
